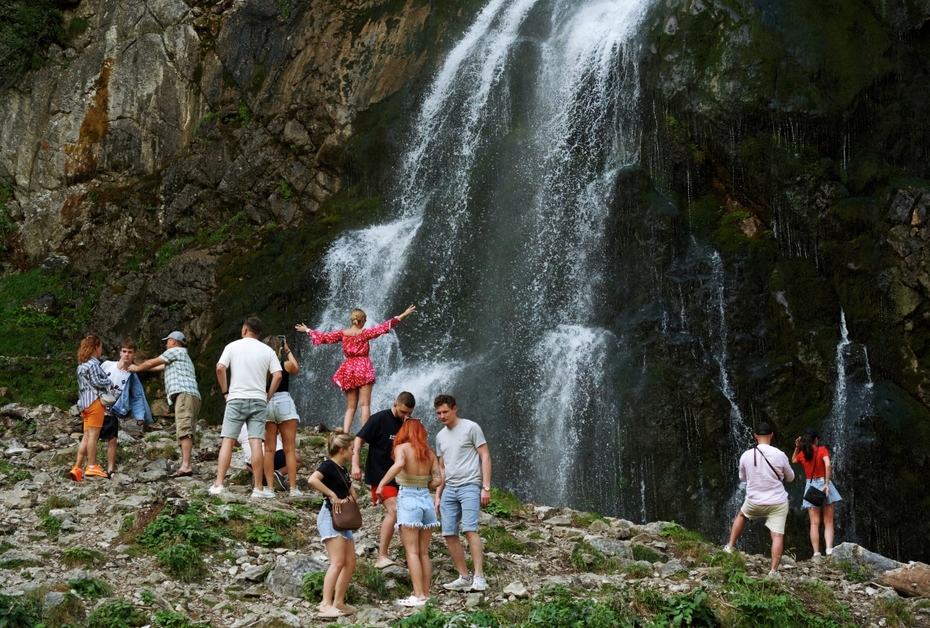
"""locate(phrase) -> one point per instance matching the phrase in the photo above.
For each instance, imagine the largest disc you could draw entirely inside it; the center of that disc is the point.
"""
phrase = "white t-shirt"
(117, 376)
(458, 448)
(247, 448)
(249, 361)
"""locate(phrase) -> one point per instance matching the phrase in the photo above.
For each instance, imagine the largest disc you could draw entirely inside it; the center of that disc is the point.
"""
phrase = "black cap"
(764, 429)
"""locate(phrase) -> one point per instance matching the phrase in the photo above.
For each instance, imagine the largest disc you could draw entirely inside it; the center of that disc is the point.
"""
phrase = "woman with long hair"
(332, 479)
(356, 375)
(817, 468)
(92, 382)
(416, 470)
(282, 418)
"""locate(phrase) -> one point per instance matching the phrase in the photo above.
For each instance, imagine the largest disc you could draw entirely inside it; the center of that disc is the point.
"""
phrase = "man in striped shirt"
(182, 391)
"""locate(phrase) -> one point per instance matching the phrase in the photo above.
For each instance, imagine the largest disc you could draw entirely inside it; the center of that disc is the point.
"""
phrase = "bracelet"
(225, 392)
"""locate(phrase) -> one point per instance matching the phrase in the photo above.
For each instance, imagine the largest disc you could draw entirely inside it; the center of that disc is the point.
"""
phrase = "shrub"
(170, 619)
(502, 504)
(264, 536)
(313, 586)
(429, 617)
(117, 614)
(80, 556)
(498, 539)
(641, 552)
(182, 561)
(27, 28)
(189, 528)
(558, 608)
(19, 612)
(90, 588)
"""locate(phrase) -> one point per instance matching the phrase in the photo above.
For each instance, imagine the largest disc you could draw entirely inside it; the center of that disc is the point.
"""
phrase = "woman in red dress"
(356, 376)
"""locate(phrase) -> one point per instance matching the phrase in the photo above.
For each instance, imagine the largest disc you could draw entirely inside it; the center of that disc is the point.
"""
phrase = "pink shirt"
(763, 485)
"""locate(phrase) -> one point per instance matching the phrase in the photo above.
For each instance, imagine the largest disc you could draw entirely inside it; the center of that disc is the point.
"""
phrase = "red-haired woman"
(356, 375)
(417, 470)
(92, 382)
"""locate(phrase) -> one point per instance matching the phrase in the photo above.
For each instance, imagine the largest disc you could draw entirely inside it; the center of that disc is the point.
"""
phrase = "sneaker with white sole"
(479, 583)
(773, 575)
(296, 492)
(462, 583)
(216, 490)
(280, 481)
(727, 549)
(262, 493)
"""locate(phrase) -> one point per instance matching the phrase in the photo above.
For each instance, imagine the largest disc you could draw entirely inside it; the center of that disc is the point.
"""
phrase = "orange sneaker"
(96, 470)
(76, 474)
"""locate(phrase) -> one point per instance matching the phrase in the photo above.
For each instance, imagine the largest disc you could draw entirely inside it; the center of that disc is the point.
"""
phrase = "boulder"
(286, 577)
(609, 547)
(870, 562)
(911, 580)
(516, 589)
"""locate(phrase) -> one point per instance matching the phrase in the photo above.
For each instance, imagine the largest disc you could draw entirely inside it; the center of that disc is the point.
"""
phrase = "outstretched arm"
(319, 338)
(410, 309)
(147, 365)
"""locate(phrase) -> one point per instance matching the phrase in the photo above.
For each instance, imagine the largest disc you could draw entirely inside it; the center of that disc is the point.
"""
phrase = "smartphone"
(282, 338)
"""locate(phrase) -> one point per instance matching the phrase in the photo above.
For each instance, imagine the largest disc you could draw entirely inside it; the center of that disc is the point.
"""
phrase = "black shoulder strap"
(768, 463)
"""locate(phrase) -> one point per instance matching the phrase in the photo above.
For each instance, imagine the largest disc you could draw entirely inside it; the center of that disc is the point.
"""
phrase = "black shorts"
(279, 460)
(110, 427)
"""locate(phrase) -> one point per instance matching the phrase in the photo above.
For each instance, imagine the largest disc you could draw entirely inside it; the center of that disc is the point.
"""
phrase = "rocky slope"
(83, 548)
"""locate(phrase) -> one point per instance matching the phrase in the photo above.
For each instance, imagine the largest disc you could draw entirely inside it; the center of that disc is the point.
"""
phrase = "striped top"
(92, 382)
(179, 373)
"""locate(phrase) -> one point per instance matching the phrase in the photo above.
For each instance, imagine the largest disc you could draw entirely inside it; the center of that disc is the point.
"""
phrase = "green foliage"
(171, 249)
(127, 524)
(679, 534)
(313, 586)
(687, 610)
(77, 26)
(584, 519)
(235, 225)
(429, 617)
(895, 612)
(67, 614)
(559, 608)
(19, 612)
(502, 504)
(243, 114)
(147, 597)
(190, 528)
(596, 563)
(284, 190)
(51, 525)
(762, 604)
(183, 561)
(641, 552)
(171, 619)
(264, 536)
(371, 578)
(90, 588)
(27, 28)
(117, 614)
(79, 556)
(498, 539)
(853, 572)
(638, 570)
(21, 475)
(281, 521)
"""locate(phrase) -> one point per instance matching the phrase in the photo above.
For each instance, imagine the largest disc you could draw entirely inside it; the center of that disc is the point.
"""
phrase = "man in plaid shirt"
(181, 387)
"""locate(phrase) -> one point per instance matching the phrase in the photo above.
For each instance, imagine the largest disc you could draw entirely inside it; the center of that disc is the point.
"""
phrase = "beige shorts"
(186, 409)
(775, 515)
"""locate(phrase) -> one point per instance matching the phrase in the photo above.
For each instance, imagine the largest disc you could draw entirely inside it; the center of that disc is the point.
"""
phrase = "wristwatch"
(486, 487)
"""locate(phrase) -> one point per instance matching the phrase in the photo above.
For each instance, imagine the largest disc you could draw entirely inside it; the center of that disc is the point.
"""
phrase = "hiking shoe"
(773, 575)
(216, 490)
(262, 493)
(479, 583)
(727, 549)
(296, 492)
(462, 583)
(76, 474)
(280, 481)
(96, 470)
(829, 551)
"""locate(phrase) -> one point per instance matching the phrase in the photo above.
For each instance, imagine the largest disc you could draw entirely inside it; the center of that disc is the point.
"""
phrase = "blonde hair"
(338, 441)
(87, 348)
(275, 343)
(357, 316)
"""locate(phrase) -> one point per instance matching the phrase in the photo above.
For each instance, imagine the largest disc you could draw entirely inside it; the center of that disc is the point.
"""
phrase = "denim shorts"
(818, 483)
(281, 408)
(249, 411)
(460, 506)
(324, 523)
(415, 508)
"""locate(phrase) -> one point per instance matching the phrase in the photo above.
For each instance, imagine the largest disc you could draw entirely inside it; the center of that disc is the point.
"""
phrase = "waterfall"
(497, 235)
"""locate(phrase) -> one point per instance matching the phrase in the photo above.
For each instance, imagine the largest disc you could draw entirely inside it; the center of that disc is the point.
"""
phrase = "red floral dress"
(357, 369)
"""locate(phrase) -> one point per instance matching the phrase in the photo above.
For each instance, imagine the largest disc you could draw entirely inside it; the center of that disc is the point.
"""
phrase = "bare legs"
(416, 545)
(737, 528)
(387, 531)
(271, 437)
(356, 397)
(288, 431)
(341, 565)
(225, 457)
(88, 446)
(187, 446)
(778, 540)
(457, 552)
(814, 514)
(112, 449)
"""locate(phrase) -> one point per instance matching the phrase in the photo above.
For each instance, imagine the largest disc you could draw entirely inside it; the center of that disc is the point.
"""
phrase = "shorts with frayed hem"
(415, 509)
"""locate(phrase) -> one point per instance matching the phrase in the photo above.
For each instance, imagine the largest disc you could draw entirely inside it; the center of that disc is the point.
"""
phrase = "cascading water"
(498, 238)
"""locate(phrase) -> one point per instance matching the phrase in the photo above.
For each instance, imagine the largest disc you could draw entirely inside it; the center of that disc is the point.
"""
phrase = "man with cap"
(181, 388)
(763, 468)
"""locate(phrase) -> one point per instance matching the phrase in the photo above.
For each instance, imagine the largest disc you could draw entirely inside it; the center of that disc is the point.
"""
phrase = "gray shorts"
(281, 408)
(249, 411)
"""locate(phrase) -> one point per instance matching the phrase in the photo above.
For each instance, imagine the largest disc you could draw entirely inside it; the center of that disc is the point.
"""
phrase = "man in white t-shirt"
(118, 372)
(465, 463)
(247, 397)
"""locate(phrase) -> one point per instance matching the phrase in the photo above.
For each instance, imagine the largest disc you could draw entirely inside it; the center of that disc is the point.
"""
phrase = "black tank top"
(285, 382)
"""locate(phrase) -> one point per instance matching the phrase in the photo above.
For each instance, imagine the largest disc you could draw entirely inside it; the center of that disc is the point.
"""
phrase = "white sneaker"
(727, 549)
(773, 575)
(479, 583)
(264, 493)
(817, 555)
(462, 583)
(410, 600)
(829, 551)
(216, 490)
(296, 492)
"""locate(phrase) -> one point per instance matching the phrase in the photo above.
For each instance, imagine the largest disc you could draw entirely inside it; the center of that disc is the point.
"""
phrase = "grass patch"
(183, 561)
(586, 558)
(641, 552)
(372, 579)
(638, 570)
(894, 612)
(117, 614)
(853, 572)
(264, 536)
(17, 612)
(679, 534)
(75, 556)
(498, 539)
(90, 588)
(429, 617)
(171, 619)
(585, 519)
(502, 504)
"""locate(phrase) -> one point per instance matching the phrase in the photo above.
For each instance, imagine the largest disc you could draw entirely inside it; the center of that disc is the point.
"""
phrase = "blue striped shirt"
(92, 381)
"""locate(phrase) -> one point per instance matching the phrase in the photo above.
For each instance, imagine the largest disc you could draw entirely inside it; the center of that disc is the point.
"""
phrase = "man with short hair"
(763, 468)
(251, 361)
(379, 433)
(465, 463)
(182, 391)
(130, 399)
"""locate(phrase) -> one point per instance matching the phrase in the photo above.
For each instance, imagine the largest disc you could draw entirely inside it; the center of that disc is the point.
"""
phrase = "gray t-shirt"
(458, 448)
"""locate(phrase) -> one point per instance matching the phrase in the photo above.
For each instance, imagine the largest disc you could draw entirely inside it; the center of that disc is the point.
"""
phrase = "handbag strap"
(343, 473)
(780, 478)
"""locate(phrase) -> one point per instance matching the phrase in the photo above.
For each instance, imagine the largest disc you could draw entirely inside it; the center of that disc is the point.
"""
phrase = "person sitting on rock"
(280, 463)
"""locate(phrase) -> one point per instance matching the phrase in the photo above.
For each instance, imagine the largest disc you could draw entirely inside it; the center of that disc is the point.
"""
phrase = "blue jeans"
(415, 508)
(249, 411)
(324, 523)
(459, 506)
